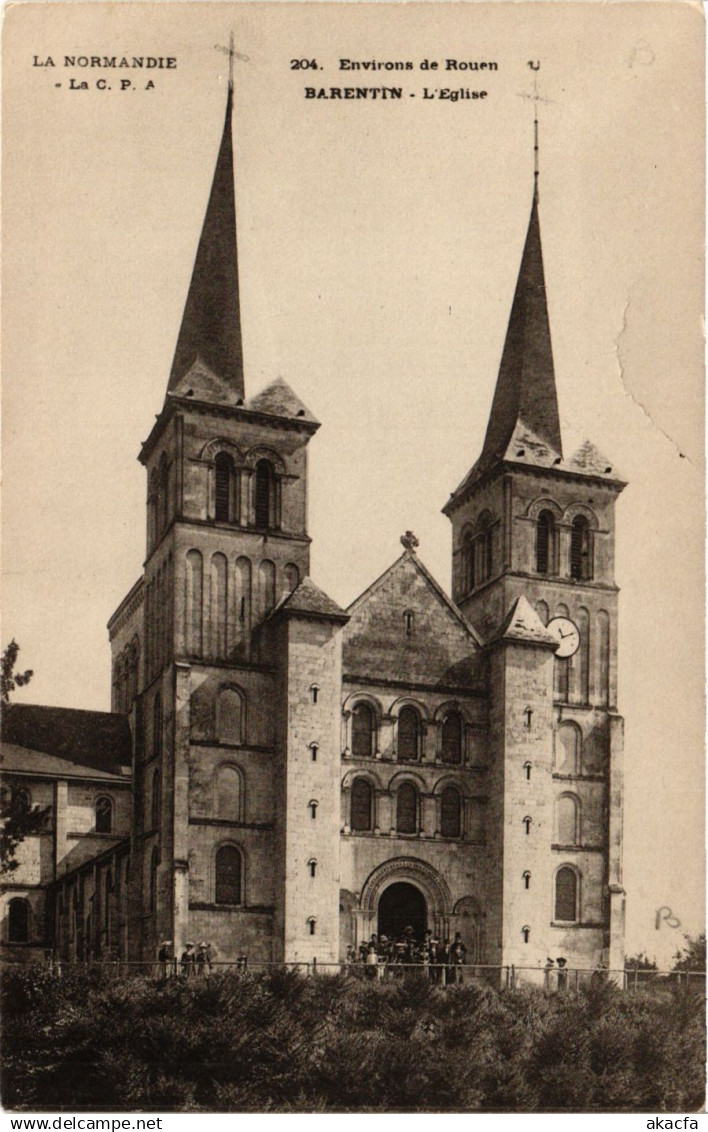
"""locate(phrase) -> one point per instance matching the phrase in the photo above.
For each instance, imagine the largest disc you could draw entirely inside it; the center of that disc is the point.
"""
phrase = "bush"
(281, 1042)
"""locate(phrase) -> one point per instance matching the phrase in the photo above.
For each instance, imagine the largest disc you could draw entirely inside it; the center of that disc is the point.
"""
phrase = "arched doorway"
(402, 905)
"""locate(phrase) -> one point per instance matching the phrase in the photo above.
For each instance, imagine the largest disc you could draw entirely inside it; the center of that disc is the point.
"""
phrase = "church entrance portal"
(402, 905)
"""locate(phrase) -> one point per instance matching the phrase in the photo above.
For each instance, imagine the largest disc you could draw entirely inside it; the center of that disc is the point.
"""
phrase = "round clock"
(567, 634)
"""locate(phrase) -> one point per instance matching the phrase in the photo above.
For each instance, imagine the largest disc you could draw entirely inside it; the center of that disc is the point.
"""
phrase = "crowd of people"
(380, 956)
(196, 958)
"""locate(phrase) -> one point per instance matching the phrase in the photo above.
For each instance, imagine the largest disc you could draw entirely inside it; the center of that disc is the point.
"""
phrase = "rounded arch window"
(407, 808)
(468, 564)
(264, 501)
(409, 734)
(567, 832)
(229, 715)
(223, 487)
(566, 895)
(21, 799)
(361, 806)
(228, 793)
(452, 734)
(156, 798)
(104, 815)
(546, 543)
(227, 875)
(18, 920)
(484, 547)
(450, 812)
(581, 564)
(362, 731)
(154, 865)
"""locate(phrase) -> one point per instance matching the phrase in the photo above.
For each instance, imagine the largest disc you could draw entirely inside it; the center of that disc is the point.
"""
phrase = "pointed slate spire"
(211, 323)
(525, 407)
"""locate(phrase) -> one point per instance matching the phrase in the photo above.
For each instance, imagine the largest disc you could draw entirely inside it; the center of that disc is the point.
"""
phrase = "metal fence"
(509, 977)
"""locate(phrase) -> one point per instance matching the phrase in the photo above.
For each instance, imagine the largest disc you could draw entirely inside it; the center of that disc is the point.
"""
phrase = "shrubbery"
(284, 1043)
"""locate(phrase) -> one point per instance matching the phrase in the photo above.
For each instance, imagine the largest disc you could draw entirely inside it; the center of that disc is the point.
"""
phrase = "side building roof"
(96, 741)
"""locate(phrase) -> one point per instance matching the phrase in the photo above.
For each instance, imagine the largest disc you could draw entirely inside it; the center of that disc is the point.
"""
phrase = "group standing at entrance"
(443, 959)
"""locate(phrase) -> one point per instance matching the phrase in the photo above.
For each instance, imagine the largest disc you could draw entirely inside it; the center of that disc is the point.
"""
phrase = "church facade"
(305, 775)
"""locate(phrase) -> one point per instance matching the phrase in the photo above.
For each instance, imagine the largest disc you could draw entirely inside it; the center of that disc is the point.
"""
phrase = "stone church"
(284, 777)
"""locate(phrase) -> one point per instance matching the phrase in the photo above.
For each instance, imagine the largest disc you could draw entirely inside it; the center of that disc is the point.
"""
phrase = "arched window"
(546, 543)
(567, 832)
(156, 799)
(157, 726)
(409, 733)
(452, 732)
(227, 873)
(162, 495)
(362, 731)
(223, 487)
(21, 800)
(407, 808)
(18, 921)
(567, 749)
(581, 565)
(361, 806)
(265, 495)
(292, 576)
(450, 812)
(154, 864)
(228, 793)
(266, 576)
(484, 547)
(104, 815)
(229, 716)
(193, 603)
(566, 895)
(468, 572)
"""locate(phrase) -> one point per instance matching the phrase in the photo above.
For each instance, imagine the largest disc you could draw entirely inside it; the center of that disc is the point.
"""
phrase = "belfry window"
(484, 547)
(265, 500)
(223, 487)
(546, 543)
(581, 565)
(468, 573)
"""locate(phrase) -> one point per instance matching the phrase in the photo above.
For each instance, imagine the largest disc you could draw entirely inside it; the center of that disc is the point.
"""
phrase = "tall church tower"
(227, 543)
(533, 546)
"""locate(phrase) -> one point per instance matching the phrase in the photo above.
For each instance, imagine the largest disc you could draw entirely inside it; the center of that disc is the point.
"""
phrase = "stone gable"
(435, 647)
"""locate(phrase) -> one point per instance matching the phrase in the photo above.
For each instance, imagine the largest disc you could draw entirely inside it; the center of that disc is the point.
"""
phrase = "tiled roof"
(278, 400)
(307, 598)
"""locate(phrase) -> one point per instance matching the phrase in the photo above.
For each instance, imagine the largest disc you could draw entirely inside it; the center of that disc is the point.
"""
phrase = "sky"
(379, 243)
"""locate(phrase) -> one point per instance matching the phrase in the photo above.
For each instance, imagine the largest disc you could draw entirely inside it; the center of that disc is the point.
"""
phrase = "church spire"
(525, 407)
(211, 325)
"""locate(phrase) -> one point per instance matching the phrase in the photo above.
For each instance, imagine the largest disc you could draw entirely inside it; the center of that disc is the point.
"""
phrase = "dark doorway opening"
(401, 906)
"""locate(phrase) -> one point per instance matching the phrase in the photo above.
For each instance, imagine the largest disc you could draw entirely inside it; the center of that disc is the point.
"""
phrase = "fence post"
(314, 965)
(636, 976)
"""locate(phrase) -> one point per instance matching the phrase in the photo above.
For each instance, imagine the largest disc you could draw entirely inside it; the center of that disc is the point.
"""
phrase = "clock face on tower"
(567, 634)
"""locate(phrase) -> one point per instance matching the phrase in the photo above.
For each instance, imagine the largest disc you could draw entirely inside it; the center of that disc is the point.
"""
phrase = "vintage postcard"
(353, 525)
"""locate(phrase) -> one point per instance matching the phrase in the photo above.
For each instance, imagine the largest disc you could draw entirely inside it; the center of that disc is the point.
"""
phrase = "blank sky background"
(379, 244)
